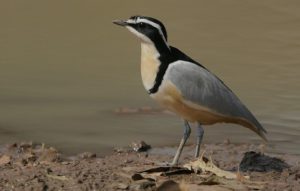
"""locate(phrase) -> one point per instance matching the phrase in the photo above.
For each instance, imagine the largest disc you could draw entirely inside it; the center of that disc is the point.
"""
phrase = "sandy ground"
(27, 166)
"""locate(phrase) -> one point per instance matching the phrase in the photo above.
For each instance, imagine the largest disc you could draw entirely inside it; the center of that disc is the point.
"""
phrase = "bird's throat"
(149, 64)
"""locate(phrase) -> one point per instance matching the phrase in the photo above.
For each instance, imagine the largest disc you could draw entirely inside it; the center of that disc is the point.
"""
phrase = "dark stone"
(258, 162)
(136, 177)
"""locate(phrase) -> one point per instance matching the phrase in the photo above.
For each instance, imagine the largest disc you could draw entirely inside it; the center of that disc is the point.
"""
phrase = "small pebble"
(140, 146)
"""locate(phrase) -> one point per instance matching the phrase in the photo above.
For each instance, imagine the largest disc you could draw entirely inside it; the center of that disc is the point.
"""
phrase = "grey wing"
(200, 86)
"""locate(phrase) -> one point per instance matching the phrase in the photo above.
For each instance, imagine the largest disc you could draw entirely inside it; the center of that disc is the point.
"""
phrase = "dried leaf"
(207, 165)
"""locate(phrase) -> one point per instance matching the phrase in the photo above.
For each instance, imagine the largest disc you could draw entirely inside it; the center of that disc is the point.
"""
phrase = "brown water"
(64, 68)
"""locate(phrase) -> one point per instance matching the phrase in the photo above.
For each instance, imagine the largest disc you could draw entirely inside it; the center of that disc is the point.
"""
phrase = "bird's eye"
(141, 24)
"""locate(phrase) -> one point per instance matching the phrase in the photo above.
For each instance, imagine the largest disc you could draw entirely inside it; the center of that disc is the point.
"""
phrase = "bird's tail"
(257, 127)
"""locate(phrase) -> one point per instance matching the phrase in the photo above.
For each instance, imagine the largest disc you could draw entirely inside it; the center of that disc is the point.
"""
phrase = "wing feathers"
(200, 86)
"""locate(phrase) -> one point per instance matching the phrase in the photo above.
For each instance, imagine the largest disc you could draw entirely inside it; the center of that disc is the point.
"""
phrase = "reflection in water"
(65, 68)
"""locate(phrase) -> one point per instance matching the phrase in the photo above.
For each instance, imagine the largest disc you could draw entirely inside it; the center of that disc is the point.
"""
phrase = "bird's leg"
(186, 134)
(199, 136)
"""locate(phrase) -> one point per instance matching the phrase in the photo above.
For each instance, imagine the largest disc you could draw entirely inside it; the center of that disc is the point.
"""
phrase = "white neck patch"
(141, 36)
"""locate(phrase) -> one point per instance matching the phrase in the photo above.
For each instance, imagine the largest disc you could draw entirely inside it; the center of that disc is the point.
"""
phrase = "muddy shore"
(27, 166)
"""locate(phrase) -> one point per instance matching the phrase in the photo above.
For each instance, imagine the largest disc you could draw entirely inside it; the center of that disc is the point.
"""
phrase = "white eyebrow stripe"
(155, 25)
(131, 21)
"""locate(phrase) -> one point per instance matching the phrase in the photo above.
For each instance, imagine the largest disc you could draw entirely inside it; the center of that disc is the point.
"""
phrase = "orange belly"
(171, 98)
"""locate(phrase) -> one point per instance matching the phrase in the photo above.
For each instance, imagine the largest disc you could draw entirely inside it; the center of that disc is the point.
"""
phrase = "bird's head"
(147, 29)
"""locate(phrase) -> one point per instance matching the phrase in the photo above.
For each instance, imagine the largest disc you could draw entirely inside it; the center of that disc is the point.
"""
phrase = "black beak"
(120, 22)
